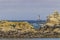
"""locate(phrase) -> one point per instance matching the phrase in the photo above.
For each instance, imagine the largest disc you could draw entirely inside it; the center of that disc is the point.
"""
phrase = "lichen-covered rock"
(57, 30)
(53, 19)
(13, 26)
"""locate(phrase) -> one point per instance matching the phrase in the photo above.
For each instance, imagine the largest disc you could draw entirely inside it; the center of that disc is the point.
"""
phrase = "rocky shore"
(51, 29)
(29, 35)
(43, 32)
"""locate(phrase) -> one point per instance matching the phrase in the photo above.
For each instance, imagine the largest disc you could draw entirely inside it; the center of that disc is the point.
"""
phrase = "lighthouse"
(38, 17)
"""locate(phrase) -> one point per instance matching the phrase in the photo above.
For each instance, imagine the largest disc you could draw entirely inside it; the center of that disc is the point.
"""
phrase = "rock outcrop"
(15, 26)
(53, 19)
(53, 23)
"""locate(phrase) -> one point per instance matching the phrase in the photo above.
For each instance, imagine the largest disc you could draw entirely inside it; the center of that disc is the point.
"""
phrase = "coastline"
(21, 32)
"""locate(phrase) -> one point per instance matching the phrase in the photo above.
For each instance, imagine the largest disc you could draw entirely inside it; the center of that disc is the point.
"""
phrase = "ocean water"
(30, 21)
(31, 39)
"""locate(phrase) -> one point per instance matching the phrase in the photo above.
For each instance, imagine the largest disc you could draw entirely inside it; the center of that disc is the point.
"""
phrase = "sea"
(36, 25)
(30, 39)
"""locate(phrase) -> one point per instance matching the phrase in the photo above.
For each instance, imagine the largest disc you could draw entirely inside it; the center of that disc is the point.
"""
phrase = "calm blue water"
(30, 21)
(33, 39)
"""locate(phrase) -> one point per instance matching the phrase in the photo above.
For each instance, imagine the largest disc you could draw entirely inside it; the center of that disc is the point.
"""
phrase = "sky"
(27, 9)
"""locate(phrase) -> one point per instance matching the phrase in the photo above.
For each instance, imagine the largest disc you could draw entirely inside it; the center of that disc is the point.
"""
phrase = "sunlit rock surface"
(15, 26)
(52, 24)
(53, 19)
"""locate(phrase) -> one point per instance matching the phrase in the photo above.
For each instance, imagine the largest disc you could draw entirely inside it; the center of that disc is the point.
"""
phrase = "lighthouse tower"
(38, 17)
